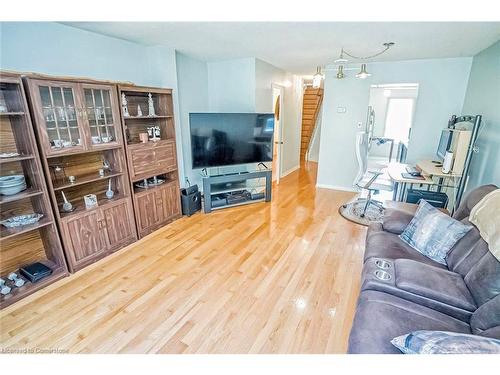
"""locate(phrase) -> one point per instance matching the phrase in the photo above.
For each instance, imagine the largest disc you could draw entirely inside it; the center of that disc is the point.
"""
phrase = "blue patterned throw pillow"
(433, 233)
(440, 342)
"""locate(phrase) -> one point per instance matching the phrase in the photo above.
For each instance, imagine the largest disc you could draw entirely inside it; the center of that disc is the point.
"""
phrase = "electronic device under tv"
(444, 143)
(222, 139)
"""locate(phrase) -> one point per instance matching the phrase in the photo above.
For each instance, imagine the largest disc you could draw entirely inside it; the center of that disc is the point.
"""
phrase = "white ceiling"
(300, 46)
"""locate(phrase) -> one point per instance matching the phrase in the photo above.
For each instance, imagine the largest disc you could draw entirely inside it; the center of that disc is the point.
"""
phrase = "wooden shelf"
(155, 206)
(63, 152)
(6, 233)
(31, 192)
(139, 191)
(38, 241)
(86, 179)
(147, 117)
(17, 294)
(101, 202)
(16, 158)
(2, 114)
(150, 143)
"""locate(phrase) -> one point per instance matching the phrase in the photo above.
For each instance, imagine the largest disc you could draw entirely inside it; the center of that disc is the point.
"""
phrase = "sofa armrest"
(395, 221)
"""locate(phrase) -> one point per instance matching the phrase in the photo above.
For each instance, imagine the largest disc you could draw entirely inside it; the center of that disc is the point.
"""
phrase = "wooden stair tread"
(311, 102)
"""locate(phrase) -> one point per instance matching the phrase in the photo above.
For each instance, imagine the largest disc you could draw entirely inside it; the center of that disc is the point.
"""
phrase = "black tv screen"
(220, 139)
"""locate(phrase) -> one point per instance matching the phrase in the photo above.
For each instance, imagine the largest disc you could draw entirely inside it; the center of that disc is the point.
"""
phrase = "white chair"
(370, 180)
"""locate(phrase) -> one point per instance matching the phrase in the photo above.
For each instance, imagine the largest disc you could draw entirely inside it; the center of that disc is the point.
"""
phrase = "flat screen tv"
(221, 139)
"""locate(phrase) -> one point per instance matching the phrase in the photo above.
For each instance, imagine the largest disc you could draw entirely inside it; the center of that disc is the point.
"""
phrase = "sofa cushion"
(466, 252)
(395, 221)
(380, 317)
(487, 317)
(483, 280)
(432, 232)
(382, 244)
(442, 342)
(472, 198)
(435, 284)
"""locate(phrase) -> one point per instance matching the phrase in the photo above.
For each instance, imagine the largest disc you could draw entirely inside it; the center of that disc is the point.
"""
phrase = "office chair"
(369, 180)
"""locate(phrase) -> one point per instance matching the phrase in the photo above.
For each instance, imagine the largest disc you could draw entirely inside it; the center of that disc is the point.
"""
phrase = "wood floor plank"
(279, 277)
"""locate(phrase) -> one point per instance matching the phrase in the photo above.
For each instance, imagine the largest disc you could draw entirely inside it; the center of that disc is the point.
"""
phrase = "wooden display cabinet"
(157, 205)
(37, 242)
(80, 136)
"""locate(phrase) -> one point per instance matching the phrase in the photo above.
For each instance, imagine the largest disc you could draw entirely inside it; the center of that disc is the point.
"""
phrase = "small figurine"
(151, 107)
(139, 111)
(109, 193)
(90, 201)
(125, 106)
(67, 206)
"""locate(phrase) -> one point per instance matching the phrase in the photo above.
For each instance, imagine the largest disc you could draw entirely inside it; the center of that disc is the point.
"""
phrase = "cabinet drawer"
(142, 161)
(152, 158)
(165, 156)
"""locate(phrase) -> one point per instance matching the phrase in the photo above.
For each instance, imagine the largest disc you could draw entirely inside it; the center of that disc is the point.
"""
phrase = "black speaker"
(190, 200)
(437, 199)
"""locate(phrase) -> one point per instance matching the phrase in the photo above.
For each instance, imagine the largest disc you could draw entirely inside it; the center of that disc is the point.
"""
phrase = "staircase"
(310, 108)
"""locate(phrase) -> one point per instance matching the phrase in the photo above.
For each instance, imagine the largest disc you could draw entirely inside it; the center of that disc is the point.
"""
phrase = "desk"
(430, 169)
(394, 170)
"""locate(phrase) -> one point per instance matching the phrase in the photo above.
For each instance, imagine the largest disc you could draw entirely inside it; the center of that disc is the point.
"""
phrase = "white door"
(278, 92)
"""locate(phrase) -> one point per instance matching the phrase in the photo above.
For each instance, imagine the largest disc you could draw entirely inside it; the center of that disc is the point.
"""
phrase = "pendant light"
(340, 72)
(317, 78)
(363, 73)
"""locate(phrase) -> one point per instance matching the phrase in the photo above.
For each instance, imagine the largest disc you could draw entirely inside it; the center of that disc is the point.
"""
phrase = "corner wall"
(483, 98)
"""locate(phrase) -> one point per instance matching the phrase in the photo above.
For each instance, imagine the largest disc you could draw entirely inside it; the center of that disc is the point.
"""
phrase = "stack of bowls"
(13, 184)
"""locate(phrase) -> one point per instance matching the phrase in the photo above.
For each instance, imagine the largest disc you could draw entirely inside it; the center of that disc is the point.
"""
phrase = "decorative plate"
(18, 221)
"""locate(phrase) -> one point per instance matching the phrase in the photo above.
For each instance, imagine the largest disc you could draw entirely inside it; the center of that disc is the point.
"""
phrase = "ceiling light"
(317, 78)
(340, 72)
(363, 73)
(341, 59)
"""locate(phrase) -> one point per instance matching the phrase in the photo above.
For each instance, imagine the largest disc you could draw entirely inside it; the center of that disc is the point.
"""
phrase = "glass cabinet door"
(60, 117)
(103, 119)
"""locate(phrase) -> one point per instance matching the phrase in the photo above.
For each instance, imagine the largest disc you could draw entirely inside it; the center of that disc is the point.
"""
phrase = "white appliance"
(448, 162)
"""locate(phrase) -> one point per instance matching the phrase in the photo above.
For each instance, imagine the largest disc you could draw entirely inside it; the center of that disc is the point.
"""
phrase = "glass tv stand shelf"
(232, 190)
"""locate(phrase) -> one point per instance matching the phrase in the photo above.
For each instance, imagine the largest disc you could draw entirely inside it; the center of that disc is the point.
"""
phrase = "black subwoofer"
(190, 200)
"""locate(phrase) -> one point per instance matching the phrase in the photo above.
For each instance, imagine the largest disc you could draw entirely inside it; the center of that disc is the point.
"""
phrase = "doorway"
(278, 93)
(392, 113)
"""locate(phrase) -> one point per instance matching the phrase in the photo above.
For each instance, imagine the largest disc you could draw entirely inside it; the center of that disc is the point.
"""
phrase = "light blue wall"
(52, 48)
(442, 86)
(231, 85)
(192, 79)
(56, 49)
(483, 98)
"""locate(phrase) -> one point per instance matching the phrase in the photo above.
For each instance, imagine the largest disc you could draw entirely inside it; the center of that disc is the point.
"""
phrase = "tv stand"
(246, 186)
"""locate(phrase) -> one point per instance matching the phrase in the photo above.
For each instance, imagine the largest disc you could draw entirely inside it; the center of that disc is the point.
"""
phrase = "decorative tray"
(5, 155)
(150, 183)
(19, 221)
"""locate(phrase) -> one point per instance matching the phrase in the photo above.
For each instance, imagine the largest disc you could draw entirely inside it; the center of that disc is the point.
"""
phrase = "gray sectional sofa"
(404, 291)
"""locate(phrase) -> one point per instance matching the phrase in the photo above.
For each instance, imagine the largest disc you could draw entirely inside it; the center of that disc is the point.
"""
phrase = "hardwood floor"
(281, 277)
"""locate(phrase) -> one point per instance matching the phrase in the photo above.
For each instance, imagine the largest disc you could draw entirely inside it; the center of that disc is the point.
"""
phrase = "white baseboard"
(286, 173)
(336, 187)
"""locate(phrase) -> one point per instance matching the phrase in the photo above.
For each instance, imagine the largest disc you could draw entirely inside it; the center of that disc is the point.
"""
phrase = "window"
(399, 118)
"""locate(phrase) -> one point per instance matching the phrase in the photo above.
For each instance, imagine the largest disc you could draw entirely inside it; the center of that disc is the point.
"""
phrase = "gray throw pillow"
(432, 232)
(440, 342)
